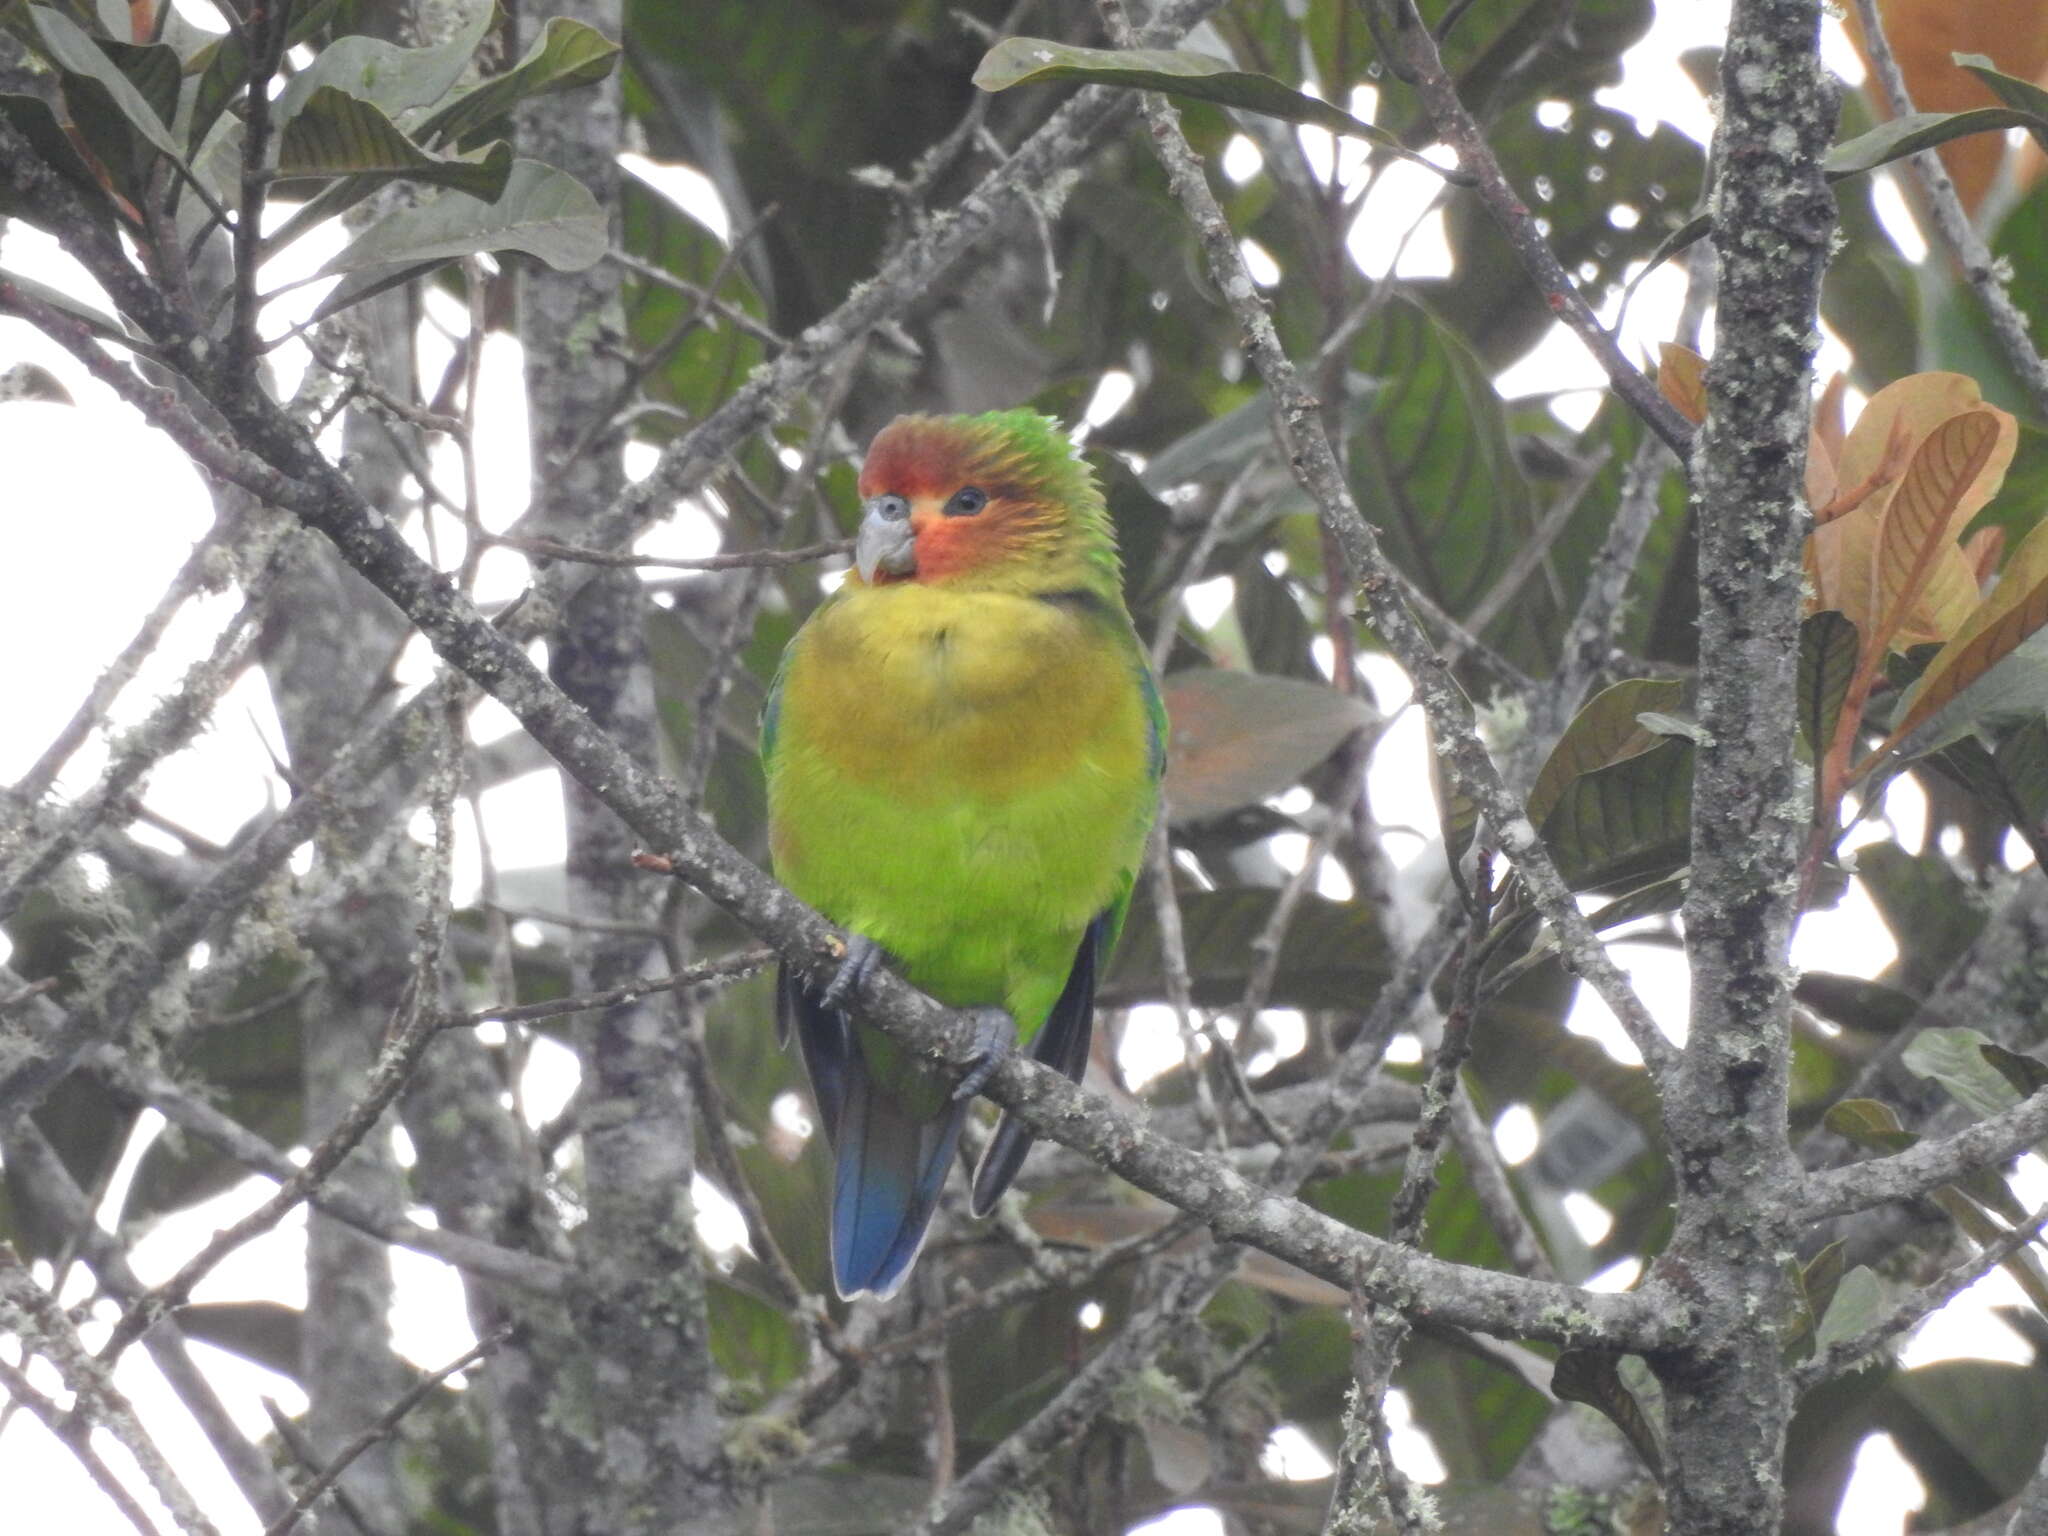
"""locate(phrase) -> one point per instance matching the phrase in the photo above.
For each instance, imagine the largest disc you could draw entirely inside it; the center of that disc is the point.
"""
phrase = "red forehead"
(917, 456)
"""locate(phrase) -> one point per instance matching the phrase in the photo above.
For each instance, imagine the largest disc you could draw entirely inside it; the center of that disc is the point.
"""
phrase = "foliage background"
(828, 135)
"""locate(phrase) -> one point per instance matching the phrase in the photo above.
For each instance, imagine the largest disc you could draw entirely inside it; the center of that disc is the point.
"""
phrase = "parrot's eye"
(889, 507)
(967, 501)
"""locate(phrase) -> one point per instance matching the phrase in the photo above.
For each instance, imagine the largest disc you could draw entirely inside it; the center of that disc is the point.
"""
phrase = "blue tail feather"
(888, 1166)
(889, 1170)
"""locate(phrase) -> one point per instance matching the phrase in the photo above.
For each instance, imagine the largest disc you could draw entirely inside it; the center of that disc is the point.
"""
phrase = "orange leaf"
(1824, 444)
(1983, 550)
(1917, 557)
(1918, 403)
(1682, 380)
(1841, 556)
(2016, 608)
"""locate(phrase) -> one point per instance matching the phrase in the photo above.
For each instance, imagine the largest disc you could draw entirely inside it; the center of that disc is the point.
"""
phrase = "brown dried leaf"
(1842, 555)
(1239, 737)
(1924, 587)
(1682, 380)
(2016, 609)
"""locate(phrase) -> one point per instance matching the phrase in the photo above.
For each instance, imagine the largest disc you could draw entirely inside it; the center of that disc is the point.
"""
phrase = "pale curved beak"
(886, 542)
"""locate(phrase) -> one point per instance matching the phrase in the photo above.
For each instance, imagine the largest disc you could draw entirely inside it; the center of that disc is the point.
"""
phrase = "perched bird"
(963, 747)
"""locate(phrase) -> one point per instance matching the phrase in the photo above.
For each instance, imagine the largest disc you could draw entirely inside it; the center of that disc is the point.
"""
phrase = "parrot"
(963, 747)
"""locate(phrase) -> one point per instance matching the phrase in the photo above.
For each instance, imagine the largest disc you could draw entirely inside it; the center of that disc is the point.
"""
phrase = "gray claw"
(863, 954)
(995, 1036)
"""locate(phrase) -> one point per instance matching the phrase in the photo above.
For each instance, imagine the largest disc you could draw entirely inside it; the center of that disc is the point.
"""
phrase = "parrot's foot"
(863, 954)
(995, 1036)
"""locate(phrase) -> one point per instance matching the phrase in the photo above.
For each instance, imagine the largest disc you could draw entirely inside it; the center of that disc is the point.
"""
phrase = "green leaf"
(1854, 1003)
(567, 53)
(1932, 914)
(1435, 454)
(1828, 647)
(223, 66)
(1584, 1376)
(33, 119)
(752, 1339)
(1236, 738)
(2022, 760)
(1627, 823)
(336, 134)
(541, 212)
(2023, 95)
(1821, 1277)
(390, 78)
(72, 51)
(1955, 1059)
(266, 1332)
(1908, 135)
(102, 325)
(1334, 955)
(1858, 1305)
(1606, 731)
(1888, 141)
(2027, 1074)
(1869, 1123)
(1177, 72)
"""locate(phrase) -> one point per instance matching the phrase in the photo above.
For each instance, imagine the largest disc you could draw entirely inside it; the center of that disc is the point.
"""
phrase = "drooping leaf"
(392, 79)
(1237, 738)
(1973, 1217)
(1333, 956)
(2027, 1074)
(1852, 1002)
(1908, 135)
(34, 120)
(1869, 1123)
(1954, 1058)
(266, 1332)
(336, 134)
(2022, 760)
(102, 325)
(1888, 141)
(1858, 1305)
(1828, 647)
(2022, 95)
(1820, 1278)
(541, 212)
(1177, 72)
(567, 53)
(1882, 450)
(1626, 823)
(77, 54)
(1586, 1376)
(1682, 380)
(1606, 731)
(2016, 609)
(223, 66)
(1932, 914)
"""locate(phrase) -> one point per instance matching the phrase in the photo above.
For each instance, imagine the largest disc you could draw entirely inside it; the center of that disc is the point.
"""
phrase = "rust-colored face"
(971, 501)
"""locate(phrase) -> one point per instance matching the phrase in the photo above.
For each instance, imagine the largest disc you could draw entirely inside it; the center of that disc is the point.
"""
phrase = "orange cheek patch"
(947, 546)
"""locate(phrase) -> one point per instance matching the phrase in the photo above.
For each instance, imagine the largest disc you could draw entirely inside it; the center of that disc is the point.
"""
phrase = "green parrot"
(963, 748)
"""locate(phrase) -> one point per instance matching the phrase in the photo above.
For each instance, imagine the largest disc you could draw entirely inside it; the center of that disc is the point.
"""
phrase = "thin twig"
(1416, 58)
(724, 968)
(387, 1423)
(1981, 270)
(1932, 1297)
(731, 560)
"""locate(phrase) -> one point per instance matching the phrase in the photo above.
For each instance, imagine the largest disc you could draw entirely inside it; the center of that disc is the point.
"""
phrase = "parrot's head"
(999, 500)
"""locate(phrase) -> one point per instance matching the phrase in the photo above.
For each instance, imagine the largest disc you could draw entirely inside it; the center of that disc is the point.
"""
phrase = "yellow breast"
(983, 693)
